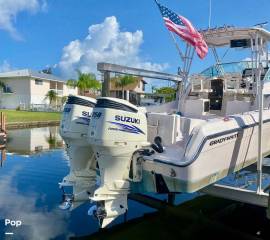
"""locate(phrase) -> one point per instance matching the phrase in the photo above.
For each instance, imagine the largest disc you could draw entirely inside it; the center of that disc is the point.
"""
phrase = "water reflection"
(28, 183)
(30, 192)
(36, 162)
(247, 178)
(38, 222)
(33, 140)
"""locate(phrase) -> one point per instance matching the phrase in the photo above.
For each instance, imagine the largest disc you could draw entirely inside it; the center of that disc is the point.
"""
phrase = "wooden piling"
(3, 156)
(3, 122)
(3, 133)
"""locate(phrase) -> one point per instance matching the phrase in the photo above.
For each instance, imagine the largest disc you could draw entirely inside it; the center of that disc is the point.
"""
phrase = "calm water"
(35, 162)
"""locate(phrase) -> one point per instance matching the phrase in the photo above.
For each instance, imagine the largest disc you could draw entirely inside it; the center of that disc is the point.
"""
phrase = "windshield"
(233, 67)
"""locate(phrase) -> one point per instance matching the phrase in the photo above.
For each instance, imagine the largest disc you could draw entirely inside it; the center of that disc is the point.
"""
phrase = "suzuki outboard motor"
(73, 129)
(117, 130)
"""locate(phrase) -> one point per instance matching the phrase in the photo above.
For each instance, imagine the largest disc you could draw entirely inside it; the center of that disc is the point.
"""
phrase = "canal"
(35, 162)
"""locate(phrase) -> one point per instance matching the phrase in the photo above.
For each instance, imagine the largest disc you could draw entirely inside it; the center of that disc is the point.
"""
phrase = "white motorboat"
(208, 133)
(73, 129)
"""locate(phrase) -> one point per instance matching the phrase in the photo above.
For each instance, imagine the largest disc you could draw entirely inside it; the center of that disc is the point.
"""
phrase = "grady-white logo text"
(127, 119)
(221, 140)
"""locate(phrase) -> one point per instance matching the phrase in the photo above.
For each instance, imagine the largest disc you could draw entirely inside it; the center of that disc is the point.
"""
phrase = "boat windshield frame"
(236, 67)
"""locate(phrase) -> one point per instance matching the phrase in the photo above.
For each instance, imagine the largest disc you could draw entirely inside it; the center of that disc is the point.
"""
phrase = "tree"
(85, 82)
(2, 85)
(124, 81)
(169, 92)
(51, 140)
(51, 96)
(71, 83)
(153, 89)
(63, 99)
(47, 70)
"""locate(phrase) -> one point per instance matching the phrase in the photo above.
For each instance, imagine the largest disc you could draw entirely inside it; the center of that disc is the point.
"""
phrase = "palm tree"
(51, 140)
(2, 86)
(63, 99)
(71, 83)
(85, 81)
(124, 81)
(52, 96)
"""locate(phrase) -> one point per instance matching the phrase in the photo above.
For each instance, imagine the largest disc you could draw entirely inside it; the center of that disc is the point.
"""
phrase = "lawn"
(25, 116)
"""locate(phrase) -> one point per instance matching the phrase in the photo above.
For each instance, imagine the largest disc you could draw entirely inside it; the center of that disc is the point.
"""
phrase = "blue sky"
(40, 33)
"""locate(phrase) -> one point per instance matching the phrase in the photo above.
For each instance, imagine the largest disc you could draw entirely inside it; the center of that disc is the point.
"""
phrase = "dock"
(32, 124)
(3, 138)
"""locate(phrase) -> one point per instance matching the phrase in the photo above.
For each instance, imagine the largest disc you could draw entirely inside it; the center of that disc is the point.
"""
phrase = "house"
(27, 88)
(132, 92)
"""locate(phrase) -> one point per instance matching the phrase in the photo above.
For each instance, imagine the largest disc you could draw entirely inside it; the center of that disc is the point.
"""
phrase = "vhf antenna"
(210, 14)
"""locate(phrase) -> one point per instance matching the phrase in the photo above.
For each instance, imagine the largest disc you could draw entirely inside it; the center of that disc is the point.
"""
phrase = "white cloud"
(9, 10)
(105, 42)
(5, 67)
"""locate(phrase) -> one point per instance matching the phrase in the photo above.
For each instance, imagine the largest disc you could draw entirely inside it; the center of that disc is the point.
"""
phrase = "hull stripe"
(239, 129)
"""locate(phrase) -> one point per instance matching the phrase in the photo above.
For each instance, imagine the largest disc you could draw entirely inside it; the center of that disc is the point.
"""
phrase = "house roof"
(30, 73)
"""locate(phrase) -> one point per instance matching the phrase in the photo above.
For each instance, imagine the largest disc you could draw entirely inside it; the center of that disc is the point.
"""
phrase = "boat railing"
(199, 83)
(232, 83)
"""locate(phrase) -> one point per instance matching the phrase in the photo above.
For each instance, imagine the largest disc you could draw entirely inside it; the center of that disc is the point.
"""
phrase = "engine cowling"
(74, 129)
(76, 117)
(117, 130)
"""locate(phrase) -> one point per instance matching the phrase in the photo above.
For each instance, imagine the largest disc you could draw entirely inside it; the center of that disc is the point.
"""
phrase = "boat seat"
(172, 154)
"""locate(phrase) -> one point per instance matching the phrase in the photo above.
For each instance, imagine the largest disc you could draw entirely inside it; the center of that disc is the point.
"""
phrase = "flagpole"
(185, 60)
(175, 20)
(177, 47)
(187, 57)
(191, 57)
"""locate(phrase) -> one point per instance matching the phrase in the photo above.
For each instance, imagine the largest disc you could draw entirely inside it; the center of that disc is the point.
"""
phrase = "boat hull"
(217, 155)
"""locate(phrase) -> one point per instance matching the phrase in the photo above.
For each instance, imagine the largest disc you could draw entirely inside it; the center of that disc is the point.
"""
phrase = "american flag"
(184, 29)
